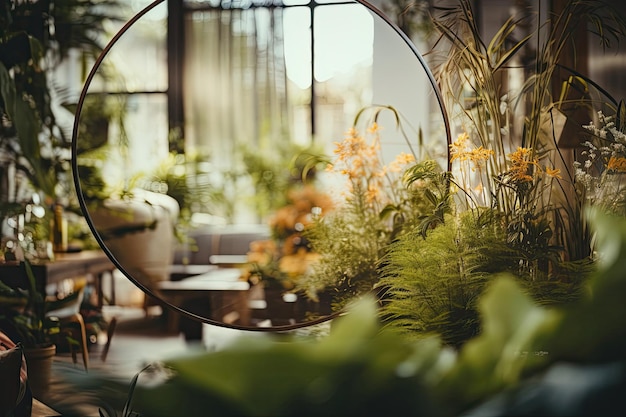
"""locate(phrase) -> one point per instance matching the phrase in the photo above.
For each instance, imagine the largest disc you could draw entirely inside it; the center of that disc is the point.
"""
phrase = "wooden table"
(182, 271)
(221, 288)
(93, 263)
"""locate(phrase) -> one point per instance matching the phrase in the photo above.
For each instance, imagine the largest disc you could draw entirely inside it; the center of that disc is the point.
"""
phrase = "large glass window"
(128, 99)
(258, 74)
(236, 85)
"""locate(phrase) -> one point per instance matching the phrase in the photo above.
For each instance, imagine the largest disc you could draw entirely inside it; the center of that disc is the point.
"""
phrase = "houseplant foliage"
(515, 203)
(362, 368)
(497, 117)
(375, 208)
(23, 318)
(35, 36)
(275, 171)
(283, 260)
(24, 314)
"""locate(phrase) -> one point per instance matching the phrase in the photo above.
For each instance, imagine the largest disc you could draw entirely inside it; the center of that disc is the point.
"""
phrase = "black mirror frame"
(99, 239)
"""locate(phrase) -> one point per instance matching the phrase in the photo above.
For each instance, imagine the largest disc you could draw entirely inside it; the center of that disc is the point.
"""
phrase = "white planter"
(139, 233)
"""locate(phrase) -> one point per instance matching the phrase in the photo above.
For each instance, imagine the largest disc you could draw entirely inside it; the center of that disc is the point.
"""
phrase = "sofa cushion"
(219, 240)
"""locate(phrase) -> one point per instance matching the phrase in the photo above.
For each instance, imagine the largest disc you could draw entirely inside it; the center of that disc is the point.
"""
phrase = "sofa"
(203, 249)
(204, 243)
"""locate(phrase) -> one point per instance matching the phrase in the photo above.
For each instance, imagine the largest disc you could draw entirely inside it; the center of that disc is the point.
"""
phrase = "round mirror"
(203, 139)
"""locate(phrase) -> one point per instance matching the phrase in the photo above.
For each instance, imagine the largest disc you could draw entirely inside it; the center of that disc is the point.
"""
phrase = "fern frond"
(432, 284)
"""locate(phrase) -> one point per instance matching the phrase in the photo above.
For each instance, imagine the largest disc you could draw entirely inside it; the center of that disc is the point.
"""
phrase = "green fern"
(432, 283)
(352, 241)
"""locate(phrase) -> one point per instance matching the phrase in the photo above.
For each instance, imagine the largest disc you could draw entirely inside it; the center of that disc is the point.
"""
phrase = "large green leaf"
(495, 360)
(356, 370)
(593, 331)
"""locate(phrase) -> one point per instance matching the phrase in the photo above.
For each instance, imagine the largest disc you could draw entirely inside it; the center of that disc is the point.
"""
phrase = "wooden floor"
(138, 340)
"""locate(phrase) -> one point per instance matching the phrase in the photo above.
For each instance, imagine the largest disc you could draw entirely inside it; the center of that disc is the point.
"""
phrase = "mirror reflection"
(248, 167)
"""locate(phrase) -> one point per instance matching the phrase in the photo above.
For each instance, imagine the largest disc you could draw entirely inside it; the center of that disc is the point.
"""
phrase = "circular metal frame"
(99, 239)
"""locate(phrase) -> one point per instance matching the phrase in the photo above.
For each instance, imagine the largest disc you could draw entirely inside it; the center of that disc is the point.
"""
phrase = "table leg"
(99, 281)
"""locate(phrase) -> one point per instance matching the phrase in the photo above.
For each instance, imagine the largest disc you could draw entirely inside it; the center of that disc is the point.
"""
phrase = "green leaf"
(499, 40)
(355, 370)
(592, 330)
(511, 53)
(620, 119)
(495, 360)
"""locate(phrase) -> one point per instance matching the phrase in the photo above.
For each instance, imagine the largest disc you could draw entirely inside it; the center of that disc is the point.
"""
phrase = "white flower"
(503, 104)
(590, 145)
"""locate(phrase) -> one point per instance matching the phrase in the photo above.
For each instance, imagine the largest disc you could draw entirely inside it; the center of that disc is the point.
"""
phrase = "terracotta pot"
(39, 368)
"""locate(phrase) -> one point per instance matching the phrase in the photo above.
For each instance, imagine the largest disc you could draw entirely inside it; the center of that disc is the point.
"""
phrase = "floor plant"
(517, 195)
(528, 177)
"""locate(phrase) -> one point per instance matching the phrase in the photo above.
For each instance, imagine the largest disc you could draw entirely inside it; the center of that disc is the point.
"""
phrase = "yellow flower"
(372, 194)
(402, 159)
(358, 158)
(295, 265)
(617, 164)
(261, 252)
(374, 128)
(520, 165)
(554, 173)
(352, 133)
(457, 149)
(479, 157)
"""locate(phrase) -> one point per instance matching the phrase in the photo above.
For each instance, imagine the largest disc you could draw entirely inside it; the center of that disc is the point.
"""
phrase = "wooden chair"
(67, 311)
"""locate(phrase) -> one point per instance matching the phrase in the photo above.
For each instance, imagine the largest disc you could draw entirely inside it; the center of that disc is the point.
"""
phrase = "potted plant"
(35, 36)
(528, 358)
(137, 225)
(23, 317)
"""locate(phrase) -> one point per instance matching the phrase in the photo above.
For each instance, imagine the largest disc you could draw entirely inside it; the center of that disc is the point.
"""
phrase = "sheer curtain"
(235, 81)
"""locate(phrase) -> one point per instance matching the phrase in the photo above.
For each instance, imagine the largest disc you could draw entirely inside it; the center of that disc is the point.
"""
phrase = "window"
(221, 80)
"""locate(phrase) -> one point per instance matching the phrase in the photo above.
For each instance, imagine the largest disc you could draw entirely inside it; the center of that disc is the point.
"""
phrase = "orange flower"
(372, 194)
(520, 165)
(617, 164)
(359, 159)
(554, 173)
(402, 159)
(374, 128)
(296, 264)
(457, 149)
(479, 157)
(261, 252)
